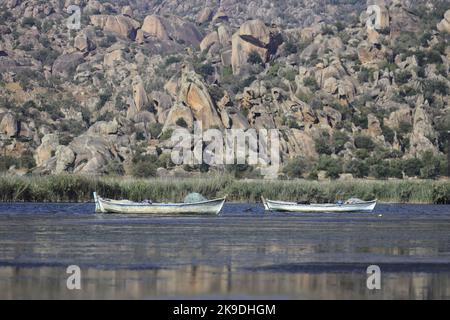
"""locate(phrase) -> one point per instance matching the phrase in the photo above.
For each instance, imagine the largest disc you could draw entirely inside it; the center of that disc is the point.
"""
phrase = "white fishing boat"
(129, 207)
(351, 205)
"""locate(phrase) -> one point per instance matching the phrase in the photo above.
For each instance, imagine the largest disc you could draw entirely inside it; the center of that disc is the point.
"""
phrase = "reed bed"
(73, 188)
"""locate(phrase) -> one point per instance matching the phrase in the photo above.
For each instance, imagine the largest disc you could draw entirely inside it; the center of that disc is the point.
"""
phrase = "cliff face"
(103, 99)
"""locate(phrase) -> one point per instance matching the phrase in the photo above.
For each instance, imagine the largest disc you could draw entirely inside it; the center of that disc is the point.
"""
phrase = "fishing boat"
(351, 205)
(146, 207)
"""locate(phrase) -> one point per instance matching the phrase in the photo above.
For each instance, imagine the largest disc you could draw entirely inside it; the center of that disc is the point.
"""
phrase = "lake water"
(244, 253)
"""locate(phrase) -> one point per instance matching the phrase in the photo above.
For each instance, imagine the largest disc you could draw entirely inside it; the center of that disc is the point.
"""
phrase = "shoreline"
(78, 189)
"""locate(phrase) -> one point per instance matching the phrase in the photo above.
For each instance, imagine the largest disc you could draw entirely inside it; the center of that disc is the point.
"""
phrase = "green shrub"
(115, 167)
(255, 58)
(339, 140)
(155, 130)
(380, 170)
(323, 145)
(333, 167)
(388, 133)
(431, 166)
(412, 167)
(364, 142)
(403, 77)
(294, 168)
(172, 60)
(30, 22)
(46, 56)
(358, 168)
(311, 83)
(144, 169)
(290, 47)
(360, 120)
(205, 70)
(108, 41)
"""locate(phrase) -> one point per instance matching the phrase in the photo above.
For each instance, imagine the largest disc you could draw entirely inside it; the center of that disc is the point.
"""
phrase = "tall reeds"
(73, 188)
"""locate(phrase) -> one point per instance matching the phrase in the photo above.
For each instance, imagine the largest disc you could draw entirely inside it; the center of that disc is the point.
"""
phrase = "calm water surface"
(242, 254)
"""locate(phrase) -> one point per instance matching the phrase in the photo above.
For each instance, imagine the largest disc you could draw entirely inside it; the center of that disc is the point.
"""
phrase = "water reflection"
(196, 282)
(234, 256)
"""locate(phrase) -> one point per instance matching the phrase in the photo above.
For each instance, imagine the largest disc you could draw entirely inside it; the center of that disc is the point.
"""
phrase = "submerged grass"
(73, 188)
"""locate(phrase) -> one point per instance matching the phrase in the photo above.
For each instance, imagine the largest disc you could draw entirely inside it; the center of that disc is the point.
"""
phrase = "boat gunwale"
(138, 204)
(321, 205)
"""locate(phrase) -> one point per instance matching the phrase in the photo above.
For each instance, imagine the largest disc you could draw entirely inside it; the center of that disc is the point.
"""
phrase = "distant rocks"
(253, 36)
(205, 15)
(123, 26)
(67, 63)
(172, 28)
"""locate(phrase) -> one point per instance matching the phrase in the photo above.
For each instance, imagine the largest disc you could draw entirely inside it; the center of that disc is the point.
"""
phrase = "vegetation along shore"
(73, 188)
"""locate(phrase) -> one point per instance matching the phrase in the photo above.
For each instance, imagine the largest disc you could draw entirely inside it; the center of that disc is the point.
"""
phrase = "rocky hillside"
(349, 101)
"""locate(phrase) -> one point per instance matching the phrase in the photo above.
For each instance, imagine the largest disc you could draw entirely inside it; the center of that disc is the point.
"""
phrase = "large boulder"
(210, 40)
(191, 91)
(104, 128)
(403, 20)
(444, 25)
(111, 58)
(179, 111)
(172, 28)
(65, 64)
(253, 36)
(205, 15)
(92, 153)
(82, 43)
(195, 94)
(123, 26)
(139, 94)
(47, 149)
(64, 159)
(9, 125)
(424, 136)
(301, 144)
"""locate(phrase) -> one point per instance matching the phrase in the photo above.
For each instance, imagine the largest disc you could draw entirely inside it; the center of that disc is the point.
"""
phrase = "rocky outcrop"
(205, 15)
(9, 125)
(192, 92)
(177, 112)
(444, 25)
(253, 37)
(64, 159)
(92, 153)
(65, 64)
(369, 54)
(402, 20)
(47, 149)
(104, 128)
(139, 94)
(172, 28)
(111, 58)
(301, 144)
(82, 43)
(424, 136)
(123, 26)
